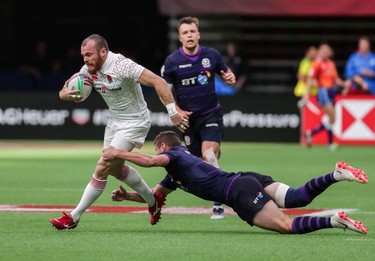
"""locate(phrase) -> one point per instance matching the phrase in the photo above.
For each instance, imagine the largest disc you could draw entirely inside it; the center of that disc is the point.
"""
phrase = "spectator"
(324, 74)
(39, 63)
(360, 68)
(303, 70)
(235, 62)
(72, 60)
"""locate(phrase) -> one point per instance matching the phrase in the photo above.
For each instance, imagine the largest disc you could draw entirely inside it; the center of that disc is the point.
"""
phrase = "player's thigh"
(212, 129)
(271, 189)
(330, 111)
(193, 143)
(271, 217)
(126, 134)
(247, 197)
(211, 136)
(323, 96)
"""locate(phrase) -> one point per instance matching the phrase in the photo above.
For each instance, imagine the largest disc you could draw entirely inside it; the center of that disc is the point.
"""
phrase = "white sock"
(136, 182)
(210, 157)
(92, 191)
(326, 123)
(280, 195)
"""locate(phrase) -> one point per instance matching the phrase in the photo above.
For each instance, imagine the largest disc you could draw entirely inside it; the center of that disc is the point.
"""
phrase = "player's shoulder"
(111, 60)
(318, 61)
(173, 59)
(209, 50)
(118, 64)
(351, 57)
(118, 58)
(178, 150)
(355, 55)
(174, 55)
(371, 54)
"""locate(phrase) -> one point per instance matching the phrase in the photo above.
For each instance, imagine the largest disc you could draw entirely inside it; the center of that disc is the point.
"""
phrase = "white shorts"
(126, 134)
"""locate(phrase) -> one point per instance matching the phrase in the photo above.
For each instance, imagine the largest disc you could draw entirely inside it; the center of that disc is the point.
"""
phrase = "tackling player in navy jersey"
(191, 71)
(256, 198)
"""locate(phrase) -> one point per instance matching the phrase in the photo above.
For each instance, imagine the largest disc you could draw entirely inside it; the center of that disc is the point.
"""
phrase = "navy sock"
(307, 224)
(217, 204)
(330, 136)
(303, 195)
(317, 129)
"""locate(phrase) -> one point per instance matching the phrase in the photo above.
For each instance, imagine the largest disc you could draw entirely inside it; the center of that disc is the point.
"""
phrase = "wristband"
(171, 108)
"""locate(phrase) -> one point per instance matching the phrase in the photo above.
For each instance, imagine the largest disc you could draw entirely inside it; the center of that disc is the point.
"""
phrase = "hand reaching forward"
(119, 194)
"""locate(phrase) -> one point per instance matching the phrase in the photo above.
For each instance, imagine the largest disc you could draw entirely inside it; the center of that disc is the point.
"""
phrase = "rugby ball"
(81, 82)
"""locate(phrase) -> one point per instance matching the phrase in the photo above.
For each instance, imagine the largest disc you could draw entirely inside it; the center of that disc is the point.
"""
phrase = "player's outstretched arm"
(121, 194)
(148, 78)
(141, 159)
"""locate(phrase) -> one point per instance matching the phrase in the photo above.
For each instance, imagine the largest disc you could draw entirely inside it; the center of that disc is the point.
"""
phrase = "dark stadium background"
(134, 27)
(272, 36)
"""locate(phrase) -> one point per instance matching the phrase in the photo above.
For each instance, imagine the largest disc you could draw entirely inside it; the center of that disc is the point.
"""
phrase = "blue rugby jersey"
(196, 176)
(356, 63)
(193, 79)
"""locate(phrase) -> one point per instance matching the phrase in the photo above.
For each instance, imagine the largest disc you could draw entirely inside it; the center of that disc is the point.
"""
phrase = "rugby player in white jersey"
(117, 79)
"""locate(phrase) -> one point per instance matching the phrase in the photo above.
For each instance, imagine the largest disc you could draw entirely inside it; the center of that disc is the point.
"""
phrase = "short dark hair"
(99, 40)
(169, 138)
(188, 20)
(364, 37)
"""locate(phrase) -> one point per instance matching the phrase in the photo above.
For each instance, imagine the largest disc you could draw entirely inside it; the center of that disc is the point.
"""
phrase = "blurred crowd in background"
(41, 46)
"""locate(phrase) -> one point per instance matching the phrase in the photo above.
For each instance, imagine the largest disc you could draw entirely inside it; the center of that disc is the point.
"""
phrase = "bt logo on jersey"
(202, 78)
(188, 81)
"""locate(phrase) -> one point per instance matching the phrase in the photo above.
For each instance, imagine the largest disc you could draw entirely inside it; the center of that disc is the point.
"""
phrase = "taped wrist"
(171, 108)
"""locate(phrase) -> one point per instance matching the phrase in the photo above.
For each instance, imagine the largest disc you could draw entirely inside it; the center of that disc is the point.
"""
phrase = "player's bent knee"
(103, 165)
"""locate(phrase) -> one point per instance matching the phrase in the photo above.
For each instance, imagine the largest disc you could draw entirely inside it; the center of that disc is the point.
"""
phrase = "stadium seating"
(52, 81)
(14, 81)
(274, 47)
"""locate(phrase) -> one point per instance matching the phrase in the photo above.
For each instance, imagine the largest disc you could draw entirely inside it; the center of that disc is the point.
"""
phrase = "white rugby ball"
(81, 82)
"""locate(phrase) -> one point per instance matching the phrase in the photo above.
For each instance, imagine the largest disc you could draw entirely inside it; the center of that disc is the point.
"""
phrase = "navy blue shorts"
(247, 196)
(325, 96)
(208, 127)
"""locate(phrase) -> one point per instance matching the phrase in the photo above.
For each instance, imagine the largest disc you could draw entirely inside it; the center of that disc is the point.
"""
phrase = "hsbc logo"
(355, 119)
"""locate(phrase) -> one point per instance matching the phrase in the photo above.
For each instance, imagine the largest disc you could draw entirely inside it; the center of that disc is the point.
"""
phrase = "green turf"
(58, 176)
